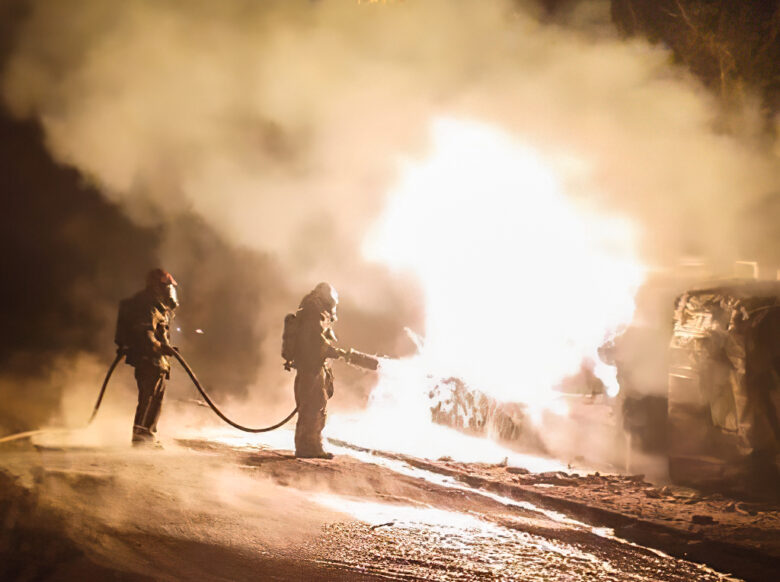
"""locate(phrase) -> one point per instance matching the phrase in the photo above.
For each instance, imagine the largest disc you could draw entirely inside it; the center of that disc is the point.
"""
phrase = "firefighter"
(314, 377)
(142, 335)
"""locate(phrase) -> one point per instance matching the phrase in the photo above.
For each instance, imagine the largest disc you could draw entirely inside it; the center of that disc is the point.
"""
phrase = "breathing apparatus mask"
(163, 285)
(170, 297)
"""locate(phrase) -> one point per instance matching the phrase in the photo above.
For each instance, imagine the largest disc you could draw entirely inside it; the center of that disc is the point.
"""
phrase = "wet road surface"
(205, 510)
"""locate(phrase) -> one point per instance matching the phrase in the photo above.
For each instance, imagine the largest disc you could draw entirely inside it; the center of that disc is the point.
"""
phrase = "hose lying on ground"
(119, 356)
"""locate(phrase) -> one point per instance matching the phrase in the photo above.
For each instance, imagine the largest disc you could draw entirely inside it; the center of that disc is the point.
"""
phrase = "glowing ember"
(521, 283)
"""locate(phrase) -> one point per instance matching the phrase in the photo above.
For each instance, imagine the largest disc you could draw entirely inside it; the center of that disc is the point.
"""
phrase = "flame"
(521, 286)
(521, 283)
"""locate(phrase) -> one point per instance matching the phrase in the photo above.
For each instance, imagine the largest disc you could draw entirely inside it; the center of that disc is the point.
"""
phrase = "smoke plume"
(280, 122)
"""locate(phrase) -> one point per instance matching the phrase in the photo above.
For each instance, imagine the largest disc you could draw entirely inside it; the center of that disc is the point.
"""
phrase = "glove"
(168, 350)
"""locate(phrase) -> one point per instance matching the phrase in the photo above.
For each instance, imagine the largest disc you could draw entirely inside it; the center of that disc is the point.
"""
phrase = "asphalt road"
(208, 510)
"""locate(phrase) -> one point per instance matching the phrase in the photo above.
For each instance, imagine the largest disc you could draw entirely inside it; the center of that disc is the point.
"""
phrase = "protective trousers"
(311, 396)
(151, 389)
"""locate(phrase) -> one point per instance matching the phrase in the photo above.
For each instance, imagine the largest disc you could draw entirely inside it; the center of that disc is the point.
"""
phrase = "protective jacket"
(315, 334)
(142, 328)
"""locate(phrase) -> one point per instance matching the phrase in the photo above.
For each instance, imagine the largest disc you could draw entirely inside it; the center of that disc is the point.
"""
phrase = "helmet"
(322, 299)
(327, 295)
(159, 276)
(163, 285)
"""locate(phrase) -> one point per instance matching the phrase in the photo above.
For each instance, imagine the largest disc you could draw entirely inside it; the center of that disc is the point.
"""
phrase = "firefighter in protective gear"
(314, 377)
(142, 335)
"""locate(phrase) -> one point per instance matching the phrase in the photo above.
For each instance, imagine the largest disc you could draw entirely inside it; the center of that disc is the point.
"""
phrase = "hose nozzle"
(361, 360)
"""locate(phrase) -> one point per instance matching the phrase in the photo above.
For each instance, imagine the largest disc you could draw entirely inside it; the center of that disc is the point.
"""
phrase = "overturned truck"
(724, 378)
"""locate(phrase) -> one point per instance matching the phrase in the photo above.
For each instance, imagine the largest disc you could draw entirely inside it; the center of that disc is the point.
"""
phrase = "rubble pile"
(621, 501)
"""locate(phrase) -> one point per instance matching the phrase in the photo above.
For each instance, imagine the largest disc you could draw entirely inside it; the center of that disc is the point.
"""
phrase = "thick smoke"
(269, 133)
(280, 122)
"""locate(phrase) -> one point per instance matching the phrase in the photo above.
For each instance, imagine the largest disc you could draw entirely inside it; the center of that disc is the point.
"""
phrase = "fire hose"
(119, 356)
(351, 356)
(217, 411)
(182, 361)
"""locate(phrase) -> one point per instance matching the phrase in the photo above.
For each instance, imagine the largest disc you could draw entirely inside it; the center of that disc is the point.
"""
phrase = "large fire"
(522, 283)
